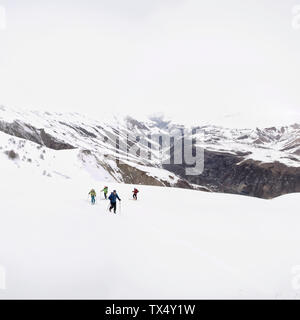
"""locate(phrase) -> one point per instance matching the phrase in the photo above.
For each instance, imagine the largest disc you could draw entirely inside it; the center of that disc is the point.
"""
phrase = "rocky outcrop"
(28, 132)
(224, 172)
(132, 175)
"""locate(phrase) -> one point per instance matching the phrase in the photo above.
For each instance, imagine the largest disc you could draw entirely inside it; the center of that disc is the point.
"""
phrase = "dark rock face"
(224, 173)
(20, 130)
(12, 154)
(28, 132)
(133, 175)
(52, 143)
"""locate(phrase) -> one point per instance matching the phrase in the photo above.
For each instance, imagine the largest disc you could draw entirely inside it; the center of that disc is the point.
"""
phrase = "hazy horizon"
(229, 63)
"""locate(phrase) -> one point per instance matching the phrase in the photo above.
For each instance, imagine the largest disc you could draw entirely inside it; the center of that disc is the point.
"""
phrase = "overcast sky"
(229, 62)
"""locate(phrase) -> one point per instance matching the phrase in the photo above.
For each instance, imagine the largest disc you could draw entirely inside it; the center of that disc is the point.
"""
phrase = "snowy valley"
(263, 163)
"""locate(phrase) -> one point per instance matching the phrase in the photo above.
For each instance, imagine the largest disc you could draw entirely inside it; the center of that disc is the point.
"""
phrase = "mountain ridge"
(261, 162)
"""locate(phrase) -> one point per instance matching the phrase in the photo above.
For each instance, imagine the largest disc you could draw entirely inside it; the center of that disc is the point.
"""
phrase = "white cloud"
(195, 61)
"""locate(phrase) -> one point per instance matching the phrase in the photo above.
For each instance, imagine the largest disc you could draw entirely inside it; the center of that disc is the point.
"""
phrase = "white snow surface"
(171, 243)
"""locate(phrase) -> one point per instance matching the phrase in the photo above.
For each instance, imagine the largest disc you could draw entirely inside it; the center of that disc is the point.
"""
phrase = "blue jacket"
(113, 197)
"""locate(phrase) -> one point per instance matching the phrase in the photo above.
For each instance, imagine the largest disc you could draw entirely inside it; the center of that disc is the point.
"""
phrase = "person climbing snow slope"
(135, 192)
(92, 193)
(113, 201)
(105, 192)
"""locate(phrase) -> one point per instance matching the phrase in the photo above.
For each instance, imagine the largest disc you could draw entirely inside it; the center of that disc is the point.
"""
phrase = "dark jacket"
(113, 197)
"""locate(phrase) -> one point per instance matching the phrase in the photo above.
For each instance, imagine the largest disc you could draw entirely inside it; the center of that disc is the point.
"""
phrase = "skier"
(105, 191)
(113, 201)
(135, 192)
(92, 193)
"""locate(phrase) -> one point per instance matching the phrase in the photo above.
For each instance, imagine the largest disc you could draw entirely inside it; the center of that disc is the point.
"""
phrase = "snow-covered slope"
(171, 243)
(47, 144)
(73, 130)
(263, 163)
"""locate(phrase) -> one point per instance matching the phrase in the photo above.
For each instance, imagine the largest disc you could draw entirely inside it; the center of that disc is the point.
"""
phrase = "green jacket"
(105, 190)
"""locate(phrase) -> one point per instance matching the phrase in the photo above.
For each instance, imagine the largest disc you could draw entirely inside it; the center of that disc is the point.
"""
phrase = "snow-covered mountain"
(257, 162)
(61, 143)
(171, 243)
